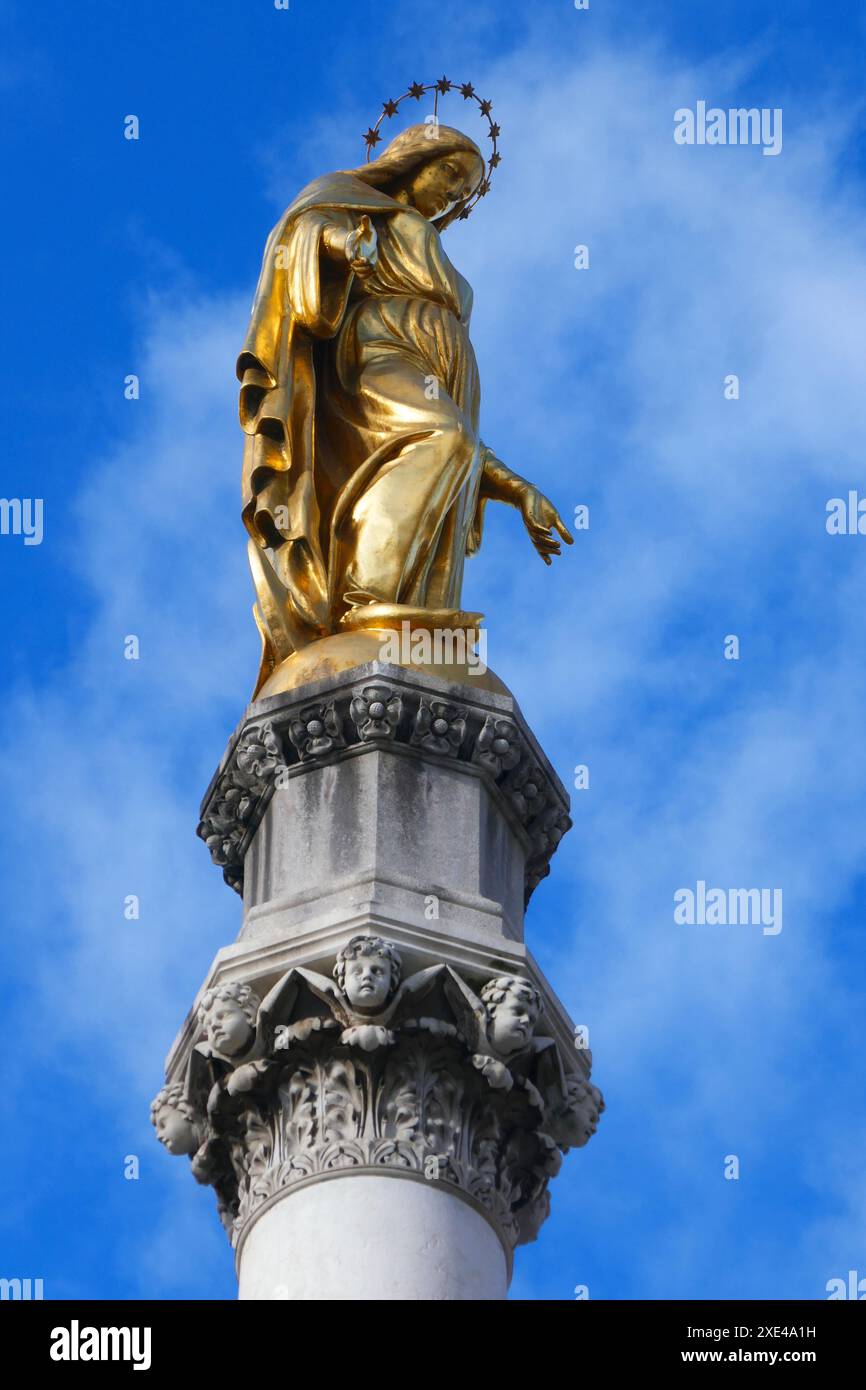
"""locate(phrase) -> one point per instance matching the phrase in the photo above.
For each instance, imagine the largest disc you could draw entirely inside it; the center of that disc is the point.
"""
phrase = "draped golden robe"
(360, 400)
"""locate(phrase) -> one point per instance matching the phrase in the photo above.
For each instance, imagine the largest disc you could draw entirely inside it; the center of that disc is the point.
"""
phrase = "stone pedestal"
(376, 1078)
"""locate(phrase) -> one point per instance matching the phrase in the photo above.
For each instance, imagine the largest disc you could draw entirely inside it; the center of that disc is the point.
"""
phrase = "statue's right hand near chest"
(360, 246)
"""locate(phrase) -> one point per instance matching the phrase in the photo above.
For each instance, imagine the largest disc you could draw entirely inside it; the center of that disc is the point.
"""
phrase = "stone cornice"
(479, 732)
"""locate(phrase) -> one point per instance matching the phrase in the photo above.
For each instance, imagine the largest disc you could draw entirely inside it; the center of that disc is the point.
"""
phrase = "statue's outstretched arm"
(540, 517)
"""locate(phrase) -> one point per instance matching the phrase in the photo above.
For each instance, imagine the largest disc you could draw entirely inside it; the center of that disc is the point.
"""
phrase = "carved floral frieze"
(375, 712)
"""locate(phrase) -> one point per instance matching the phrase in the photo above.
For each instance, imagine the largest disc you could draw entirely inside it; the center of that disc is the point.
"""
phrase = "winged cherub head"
(228, 1016)
(173, 1118)
(513, 1007)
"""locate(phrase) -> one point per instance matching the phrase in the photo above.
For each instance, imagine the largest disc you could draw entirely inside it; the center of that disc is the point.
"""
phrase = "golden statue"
(364, 476)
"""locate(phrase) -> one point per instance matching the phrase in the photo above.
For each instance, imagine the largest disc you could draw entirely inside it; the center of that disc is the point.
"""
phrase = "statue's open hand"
(362, 247)
(541, 519)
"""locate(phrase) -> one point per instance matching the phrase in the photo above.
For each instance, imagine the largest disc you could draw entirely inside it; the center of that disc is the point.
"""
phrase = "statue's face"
(175, 1131)
(228, 1028)
(368, 982)
(437, 187)
(513, 1021)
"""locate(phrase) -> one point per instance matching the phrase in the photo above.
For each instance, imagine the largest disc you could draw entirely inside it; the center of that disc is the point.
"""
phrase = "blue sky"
(605, 386)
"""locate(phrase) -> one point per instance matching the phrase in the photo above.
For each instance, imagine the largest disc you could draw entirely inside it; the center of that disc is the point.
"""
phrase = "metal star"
(443, 85)
(495, 131)
(495, 160)
(461, 217)
(416, 90)
(486, 107)
(467, 90)
(372, 138)
(389, 108)
(484, 188)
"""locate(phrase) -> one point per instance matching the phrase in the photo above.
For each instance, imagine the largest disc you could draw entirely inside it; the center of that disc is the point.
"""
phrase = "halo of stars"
(441, 88)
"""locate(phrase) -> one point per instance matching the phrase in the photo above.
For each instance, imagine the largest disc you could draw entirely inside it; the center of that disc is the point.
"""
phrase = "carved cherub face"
(227, 1015)
(368, 982)
(513, 1007)
(172, 1117)
(228, 1028)
(586, 1101)
(368, 971)
(175, 1131)
(439, 185)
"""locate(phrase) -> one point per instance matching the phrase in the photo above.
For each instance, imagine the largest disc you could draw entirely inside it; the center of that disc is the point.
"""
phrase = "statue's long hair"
(411, 149)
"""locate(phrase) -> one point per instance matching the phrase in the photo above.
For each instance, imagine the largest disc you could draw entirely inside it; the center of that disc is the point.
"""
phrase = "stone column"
(376, 1079)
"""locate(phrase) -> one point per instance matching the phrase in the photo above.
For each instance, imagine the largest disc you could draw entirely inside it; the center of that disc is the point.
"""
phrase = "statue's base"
(441, 645)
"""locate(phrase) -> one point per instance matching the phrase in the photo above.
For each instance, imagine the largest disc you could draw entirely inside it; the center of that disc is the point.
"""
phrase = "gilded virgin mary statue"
(364, 476)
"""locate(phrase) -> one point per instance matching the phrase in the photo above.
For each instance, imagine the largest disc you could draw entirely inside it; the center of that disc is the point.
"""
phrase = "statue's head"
(433, 168)
(174, 1120)
(513, 1008)
(368, 971)
(228, 1017)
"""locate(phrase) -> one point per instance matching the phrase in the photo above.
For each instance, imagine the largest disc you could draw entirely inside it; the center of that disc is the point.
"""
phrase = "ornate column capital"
(426, 1076)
